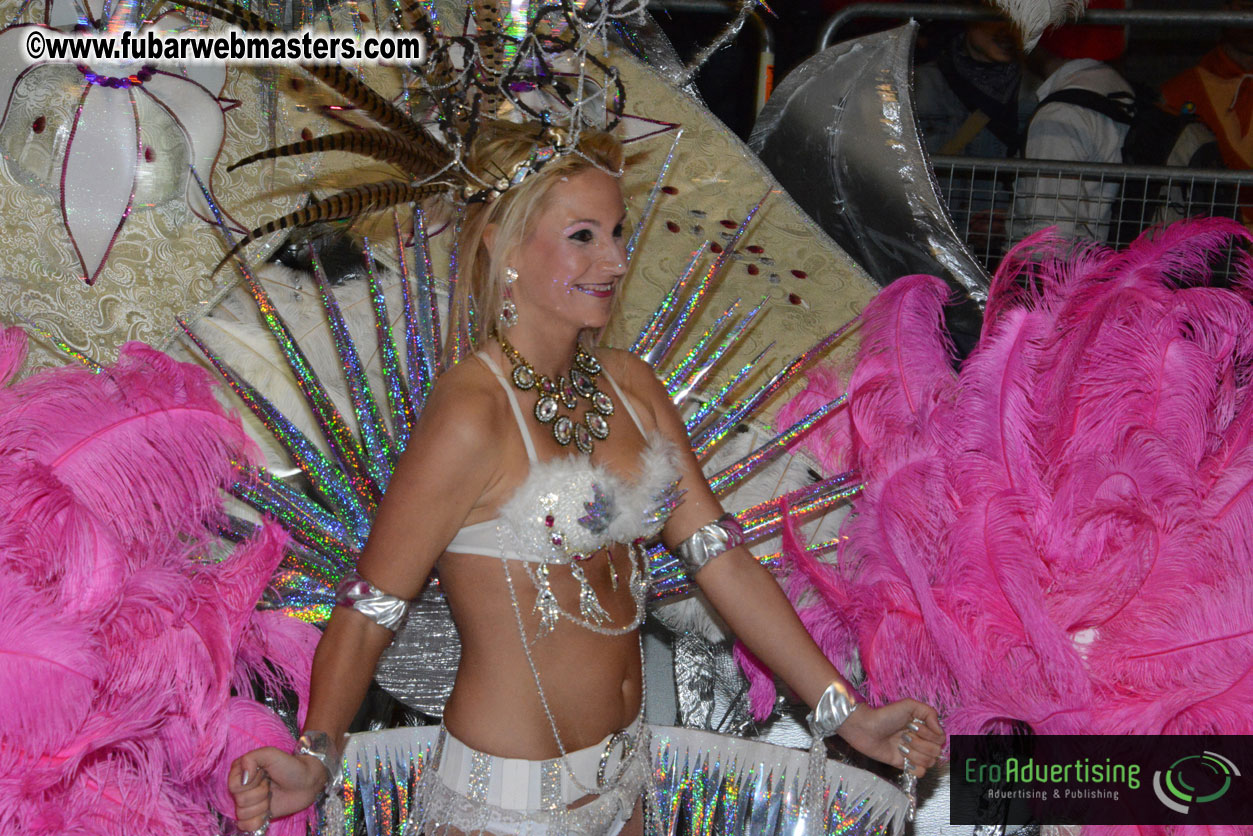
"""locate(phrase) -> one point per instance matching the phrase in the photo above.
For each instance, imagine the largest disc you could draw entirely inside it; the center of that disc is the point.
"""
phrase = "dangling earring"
(508, 310)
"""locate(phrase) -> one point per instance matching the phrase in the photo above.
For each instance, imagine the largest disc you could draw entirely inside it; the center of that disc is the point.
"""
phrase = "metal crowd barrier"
(995, 202)
(1094, 17)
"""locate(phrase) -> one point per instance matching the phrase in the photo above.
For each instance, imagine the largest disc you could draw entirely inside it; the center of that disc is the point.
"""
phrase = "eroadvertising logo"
(1212, 776)
(1026, 779)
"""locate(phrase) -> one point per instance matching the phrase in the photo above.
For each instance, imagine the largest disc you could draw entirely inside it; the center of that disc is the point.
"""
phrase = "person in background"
(973, 100)
(1071, 132)
(1219, 92)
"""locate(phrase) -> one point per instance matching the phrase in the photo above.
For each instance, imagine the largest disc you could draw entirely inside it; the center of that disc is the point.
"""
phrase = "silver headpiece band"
(385, 610)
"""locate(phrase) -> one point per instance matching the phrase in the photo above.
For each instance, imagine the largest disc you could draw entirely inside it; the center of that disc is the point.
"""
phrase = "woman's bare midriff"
(592, 682)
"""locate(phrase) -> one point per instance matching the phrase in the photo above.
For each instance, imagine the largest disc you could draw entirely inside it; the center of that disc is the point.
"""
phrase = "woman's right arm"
(448, 465)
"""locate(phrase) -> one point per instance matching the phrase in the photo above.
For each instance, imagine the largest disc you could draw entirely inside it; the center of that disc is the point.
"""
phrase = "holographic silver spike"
(334, 428)
(376, 441)
(730, 341)
(652, 331)
(678, 376)
(732, 475)
(704, 443)
(720, 396)
(429, 343)
(398, 403)
(676, 329)
(647, 213)
(307, 521)
(799, 504)
(324, 476)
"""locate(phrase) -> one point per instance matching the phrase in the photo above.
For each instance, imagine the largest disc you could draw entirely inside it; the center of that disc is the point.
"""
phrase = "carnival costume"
(346, 475)
(565, 510)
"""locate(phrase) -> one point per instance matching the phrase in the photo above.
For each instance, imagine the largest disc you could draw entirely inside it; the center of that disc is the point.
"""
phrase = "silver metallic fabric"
(420, 665)
(385, 610)
(833, 708)
(839, 134)
(709, 541)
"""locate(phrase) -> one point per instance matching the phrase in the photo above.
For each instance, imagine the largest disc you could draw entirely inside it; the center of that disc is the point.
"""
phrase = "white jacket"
(1080, 208)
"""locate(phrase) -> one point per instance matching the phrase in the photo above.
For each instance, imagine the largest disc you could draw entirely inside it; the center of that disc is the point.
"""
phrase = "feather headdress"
(466, 84)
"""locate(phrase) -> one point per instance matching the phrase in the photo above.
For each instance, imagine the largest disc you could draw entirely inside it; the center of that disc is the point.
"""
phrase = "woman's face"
(570, 265)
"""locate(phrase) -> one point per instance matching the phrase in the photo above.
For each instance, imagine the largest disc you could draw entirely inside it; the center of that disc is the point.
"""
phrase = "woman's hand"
(906, 730)
(270, 783)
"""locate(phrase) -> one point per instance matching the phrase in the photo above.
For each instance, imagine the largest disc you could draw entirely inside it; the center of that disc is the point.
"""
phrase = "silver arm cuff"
(385, 610)
(709, 541)
(317, 744)
(834, 707)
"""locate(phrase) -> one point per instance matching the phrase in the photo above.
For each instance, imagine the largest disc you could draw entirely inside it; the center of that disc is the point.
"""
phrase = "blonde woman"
(536, 471)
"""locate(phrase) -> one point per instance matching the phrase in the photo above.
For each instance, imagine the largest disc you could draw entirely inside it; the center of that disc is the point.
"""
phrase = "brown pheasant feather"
(379, 143)
(349, 203)
(338, 79)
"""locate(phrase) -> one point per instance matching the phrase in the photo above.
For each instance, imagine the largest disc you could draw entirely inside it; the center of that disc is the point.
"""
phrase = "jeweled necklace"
(558, 393)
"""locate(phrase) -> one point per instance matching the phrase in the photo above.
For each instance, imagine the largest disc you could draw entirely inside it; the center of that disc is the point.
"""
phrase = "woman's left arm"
(753, 605)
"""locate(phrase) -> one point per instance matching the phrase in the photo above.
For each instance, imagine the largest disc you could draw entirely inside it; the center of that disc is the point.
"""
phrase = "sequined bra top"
(567, 507)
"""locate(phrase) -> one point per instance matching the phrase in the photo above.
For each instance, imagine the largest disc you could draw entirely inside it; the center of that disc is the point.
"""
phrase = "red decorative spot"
(715, 247)
(557, 541)
(149, 154)
(39, 124)
(800, 274)
(306, 134)
(669, 190)
(753, 269)
(794, 299)
(728, 223)
(548, 520)
(672, 226)
(755, 249)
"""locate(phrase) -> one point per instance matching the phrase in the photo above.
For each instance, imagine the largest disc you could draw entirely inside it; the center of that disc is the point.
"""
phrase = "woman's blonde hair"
(498, 149)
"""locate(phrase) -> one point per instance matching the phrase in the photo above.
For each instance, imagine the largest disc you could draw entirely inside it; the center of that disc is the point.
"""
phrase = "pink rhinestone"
(556, 540)
(548, 521)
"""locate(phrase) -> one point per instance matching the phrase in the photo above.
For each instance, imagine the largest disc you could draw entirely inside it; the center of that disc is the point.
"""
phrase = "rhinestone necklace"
(555, 394)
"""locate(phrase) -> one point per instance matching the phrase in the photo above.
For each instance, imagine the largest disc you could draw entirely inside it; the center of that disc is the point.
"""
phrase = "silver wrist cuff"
(317, 744)
(709, 541)
(833, 708)
(385, 610)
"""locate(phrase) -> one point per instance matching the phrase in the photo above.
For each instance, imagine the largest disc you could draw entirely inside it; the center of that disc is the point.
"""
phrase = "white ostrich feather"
(1032, 17)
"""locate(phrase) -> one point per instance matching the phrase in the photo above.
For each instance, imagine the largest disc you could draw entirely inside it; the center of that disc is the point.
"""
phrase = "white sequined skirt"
(690, 781)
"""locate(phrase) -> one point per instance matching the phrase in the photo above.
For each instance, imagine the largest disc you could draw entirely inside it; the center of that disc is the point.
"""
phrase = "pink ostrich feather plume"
(128, 649)
(1059, 535)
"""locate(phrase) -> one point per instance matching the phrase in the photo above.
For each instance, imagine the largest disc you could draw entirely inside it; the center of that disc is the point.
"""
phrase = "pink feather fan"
(1059, 535)
(127, 649)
